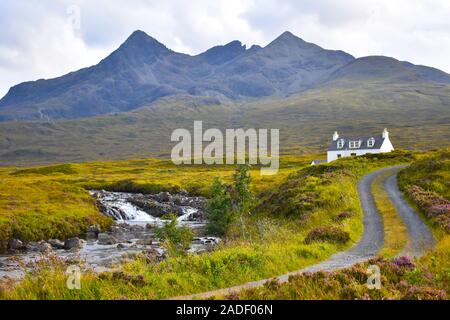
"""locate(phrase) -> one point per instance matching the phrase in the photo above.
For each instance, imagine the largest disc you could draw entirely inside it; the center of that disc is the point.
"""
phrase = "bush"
(327, 234)
(176, 240)
(435, 207)
(343, 215)
(219, 209)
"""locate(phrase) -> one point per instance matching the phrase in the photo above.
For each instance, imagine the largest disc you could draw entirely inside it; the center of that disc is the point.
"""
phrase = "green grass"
(425, 279)
(395, 231)
(417, 116)
(53, 202)
(273, 243)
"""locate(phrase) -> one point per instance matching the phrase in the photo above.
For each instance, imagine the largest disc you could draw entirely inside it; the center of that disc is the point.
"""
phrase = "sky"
(48, 38)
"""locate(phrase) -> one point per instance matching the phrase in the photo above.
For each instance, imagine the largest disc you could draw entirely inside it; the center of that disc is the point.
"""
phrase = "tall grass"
(273, 243)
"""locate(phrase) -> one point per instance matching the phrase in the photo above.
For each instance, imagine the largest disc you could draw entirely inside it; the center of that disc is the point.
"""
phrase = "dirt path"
(420, 237)
(371, 241)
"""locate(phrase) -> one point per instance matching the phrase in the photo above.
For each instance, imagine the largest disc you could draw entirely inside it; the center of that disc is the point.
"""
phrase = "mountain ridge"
(143, 70)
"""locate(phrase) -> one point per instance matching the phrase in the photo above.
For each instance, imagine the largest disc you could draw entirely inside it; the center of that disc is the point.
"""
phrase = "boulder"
(157, 209)
(147, 241)
(91, 235)
(137, 228)
(44, 247)
(92, 232)
(15, 244)
(94, 228)
(56, 244)
(106, 239)
(73, 243)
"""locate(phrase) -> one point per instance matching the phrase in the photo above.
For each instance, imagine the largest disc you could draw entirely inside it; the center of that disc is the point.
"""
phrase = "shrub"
(176, 240)
(219, 209)
(435, 207)
(343, 215)
(404, 262)
(327, 234)
(424, 293)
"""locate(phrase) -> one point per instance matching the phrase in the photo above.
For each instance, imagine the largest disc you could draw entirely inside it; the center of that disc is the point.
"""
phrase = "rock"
(56, 244)
(149, 226)
(163, 197)
(94, 228)
(137, 228)
(155, 208)
(72, 243)
(106, 239)
(91, 235)
(44, 247)
(145, 242)
(92, 232)
(15, 244)
(153, 255)
(121, 246)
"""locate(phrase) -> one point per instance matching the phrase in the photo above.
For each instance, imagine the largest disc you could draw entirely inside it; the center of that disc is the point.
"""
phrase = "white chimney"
(385, 134)
(335, 136)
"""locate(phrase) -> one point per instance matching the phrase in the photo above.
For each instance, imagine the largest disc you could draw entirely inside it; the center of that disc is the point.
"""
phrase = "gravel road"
(420, 237)
(371, 241)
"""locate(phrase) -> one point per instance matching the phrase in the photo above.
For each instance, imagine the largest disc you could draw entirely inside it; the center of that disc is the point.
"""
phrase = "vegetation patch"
(401, 279)
(395, 231)
(435, 207)
(327, 234)
(259, 243)
(62, 169)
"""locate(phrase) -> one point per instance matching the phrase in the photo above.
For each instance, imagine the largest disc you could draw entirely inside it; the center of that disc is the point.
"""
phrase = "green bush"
(219, 209)
(176, 240)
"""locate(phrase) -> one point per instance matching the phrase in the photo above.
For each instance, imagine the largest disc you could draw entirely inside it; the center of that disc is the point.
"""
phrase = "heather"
(266, 241)
(401, 279)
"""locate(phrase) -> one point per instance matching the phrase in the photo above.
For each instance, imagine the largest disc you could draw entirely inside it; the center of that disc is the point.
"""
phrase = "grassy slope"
(52, 202)
(274, 244)
(426, 278)
(417, 115)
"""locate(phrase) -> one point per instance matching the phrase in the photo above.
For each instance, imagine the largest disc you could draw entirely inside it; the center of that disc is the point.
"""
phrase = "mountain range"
(129, 104)
(142, 71)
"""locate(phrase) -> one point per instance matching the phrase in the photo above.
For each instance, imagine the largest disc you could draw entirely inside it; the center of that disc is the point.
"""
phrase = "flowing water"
(132, 234)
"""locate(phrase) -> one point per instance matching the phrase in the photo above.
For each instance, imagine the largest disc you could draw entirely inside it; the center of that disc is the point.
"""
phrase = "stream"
(136, 216)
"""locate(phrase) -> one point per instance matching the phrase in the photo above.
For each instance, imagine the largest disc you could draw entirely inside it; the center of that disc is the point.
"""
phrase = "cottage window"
(341, 143)
(371, 142)
(354, 144)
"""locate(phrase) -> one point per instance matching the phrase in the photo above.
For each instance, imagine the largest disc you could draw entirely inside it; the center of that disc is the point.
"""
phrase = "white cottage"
(342, 147)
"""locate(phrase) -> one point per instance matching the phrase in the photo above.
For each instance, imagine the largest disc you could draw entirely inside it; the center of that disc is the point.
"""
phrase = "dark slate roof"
(378, 142)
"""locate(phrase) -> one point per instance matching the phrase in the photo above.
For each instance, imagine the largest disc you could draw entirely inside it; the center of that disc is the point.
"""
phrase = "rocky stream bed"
(136, 216)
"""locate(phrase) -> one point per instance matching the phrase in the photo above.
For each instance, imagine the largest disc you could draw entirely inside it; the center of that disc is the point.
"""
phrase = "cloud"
(42, 38)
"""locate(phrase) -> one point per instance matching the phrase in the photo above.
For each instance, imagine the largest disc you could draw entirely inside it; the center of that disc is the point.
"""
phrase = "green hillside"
(416, 113)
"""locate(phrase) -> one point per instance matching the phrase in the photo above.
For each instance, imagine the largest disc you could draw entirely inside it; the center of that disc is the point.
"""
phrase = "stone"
(44, 247)
(72, 243)
(94, 228)
(92, 232)
(145, 242)
(137, 228)
(121, 246)
(15, 244)
(56, 244)
(106, 239)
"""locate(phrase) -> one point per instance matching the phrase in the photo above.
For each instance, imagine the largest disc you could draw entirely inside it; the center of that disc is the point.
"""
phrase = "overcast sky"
(48, 38)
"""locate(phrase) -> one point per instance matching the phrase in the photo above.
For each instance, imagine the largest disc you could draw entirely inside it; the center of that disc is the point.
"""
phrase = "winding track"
(420, 237)
(371, 242)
